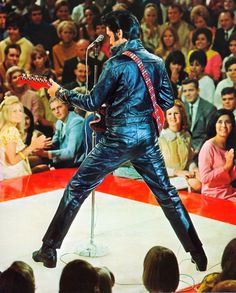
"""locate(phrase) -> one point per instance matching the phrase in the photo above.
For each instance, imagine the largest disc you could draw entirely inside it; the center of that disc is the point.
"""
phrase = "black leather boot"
(200, 259)
(46, 255)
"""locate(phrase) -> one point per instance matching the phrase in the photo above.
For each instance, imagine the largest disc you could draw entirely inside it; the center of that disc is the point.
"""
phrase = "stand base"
(92, 250)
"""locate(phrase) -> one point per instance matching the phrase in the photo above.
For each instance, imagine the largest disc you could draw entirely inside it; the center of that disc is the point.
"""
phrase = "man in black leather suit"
(130, 136)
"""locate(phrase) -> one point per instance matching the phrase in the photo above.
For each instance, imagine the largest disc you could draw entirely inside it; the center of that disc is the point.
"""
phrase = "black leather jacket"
(121, 86)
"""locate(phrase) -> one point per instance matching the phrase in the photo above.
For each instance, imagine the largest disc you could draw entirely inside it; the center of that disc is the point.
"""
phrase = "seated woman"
(14, 158)
(175, 144)
(175, 66)
(216, 157)
(160, 270)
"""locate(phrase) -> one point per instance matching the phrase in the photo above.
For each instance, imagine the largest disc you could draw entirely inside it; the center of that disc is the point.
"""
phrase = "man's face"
(100, 30)
(174, 15)
(80, 72)
(59, 110)
(36, 16)
(13, 33)
(82, 46)
(226, 21)
(12, 58)
(229, 102)
(190, 92)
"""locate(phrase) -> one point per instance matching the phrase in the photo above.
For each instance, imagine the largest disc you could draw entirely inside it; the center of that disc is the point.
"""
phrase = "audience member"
(106, 280)
(200, 18)
(11, 57)
(30, 133)
(175, 66)
(202, 40)
(19, 277)
(197, 64)
(228, 266)
(26, 96)
(62, 12)
(222, 35)
(160, 270)
(198, 110)
(169, 42)
(39, 31)
(86, 30)
(216, 158)
(67, 142)
(15, 160)
(230, 81)
(175, 15)
(39, 61)
(70, 64)
(14, 27)
(150, 28)
(228, 96)
(78, 276)
(175, 145)
(78, 12)
(3, 16)
(66, 48)
(232, 49)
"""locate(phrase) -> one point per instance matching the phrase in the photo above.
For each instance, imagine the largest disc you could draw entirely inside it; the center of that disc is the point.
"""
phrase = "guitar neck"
(34, 81)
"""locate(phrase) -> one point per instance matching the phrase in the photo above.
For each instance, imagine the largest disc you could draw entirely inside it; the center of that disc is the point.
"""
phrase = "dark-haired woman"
(216, 158)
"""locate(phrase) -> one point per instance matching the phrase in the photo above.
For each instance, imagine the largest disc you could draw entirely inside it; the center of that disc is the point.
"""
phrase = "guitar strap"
(157, 111)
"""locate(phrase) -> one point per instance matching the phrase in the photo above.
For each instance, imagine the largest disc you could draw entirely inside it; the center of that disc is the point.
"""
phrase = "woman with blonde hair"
(66, 48)
(169, 42)
(150, 27)
(14, 158)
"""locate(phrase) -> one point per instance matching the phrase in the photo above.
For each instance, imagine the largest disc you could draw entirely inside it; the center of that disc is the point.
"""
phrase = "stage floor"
(128, 223)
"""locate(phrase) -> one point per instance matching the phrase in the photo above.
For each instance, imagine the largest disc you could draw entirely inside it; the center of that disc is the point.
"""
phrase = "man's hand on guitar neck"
(53, 88)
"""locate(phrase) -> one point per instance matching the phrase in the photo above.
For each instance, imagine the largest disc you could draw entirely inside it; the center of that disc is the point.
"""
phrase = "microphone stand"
(93, 250)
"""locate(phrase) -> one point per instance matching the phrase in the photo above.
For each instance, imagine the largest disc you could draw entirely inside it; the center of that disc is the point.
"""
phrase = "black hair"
(229, 62)
(199, 56)
(176, 57)
(191, 80)
(228, 91)
(12, 46)
(125, 21)
(15, 20)
(211, 127)
(204, 31)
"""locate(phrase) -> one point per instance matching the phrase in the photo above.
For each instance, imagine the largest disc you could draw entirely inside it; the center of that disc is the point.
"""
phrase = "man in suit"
(67, 142)
(198, 111)
(70, 65)
(222, 35)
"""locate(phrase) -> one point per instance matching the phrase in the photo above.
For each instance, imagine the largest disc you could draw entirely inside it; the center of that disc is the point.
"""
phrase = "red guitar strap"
(157, 113)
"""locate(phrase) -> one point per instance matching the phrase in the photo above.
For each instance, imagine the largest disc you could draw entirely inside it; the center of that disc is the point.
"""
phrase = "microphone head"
(99, 38)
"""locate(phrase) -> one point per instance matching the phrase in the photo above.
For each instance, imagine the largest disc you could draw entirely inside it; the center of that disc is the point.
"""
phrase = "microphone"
(96, 42)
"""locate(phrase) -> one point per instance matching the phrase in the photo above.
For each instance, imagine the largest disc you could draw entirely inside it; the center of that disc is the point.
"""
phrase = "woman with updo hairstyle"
(62, 12)
(202, 40)
(14, 153)
(200, 18)
(160, 270)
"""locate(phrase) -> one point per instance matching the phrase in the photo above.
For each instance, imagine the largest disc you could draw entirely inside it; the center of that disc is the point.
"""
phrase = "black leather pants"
(137, 143)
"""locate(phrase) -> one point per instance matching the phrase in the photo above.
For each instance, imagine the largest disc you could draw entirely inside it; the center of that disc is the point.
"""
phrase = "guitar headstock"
(35, 81)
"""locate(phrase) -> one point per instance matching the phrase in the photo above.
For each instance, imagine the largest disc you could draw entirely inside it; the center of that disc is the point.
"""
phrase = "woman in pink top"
(216, 157)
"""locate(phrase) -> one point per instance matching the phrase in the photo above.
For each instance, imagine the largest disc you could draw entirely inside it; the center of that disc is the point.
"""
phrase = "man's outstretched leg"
(152, 168)
(101, 161)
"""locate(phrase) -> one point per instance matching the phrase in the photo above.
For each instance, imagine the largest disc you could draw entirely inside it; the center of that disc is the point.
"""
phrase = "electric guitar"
(35, 81)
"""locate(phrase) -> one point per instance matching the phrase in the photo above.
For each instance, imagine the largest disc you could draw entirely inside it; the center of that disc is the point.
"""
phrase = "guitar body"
(99, 124)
